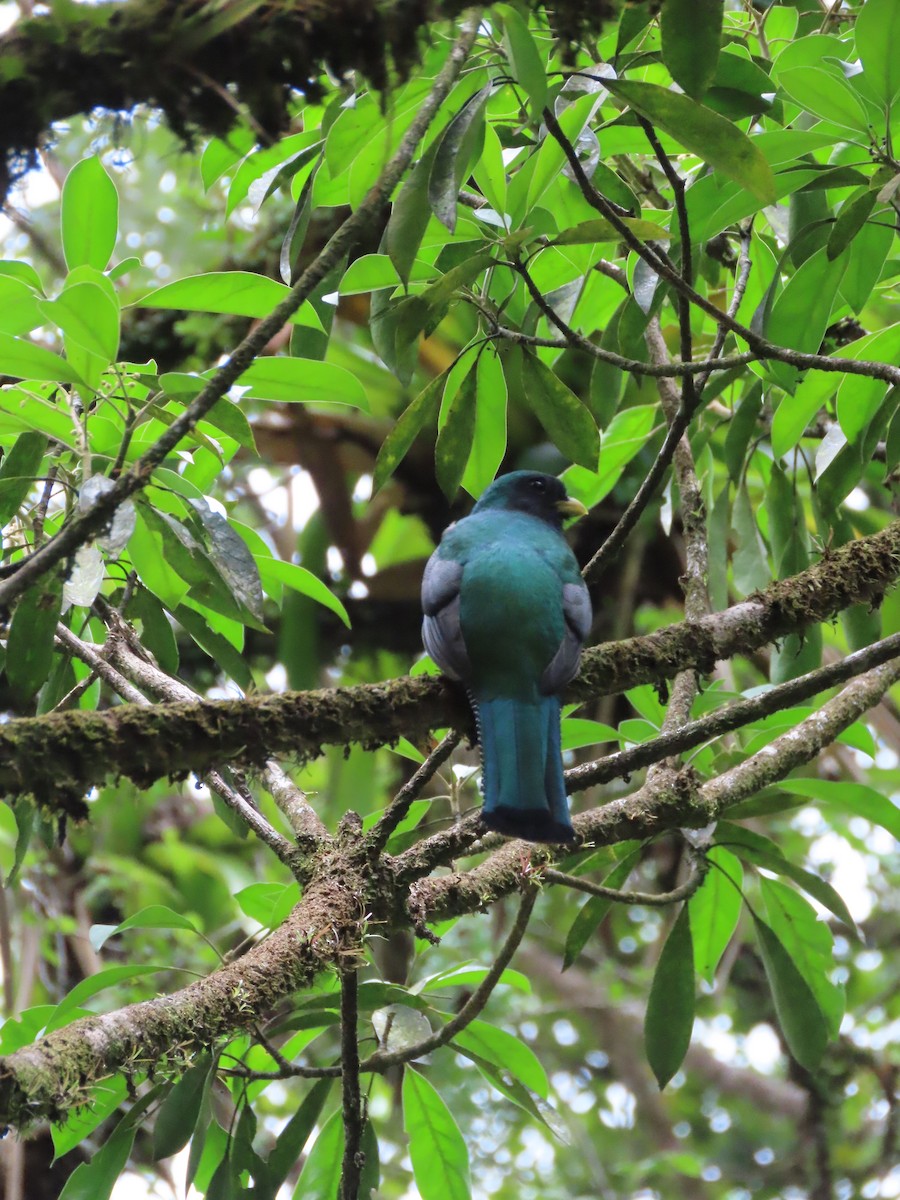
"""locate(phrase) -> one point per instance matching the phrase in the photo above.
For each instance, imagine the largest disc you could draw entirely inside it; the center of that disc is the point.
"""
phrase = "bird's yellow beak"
(571, 508)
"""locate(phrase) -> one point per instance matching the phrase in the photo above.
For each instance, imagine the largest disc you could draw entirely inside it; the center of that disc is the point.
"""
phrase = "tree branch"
(129, 741)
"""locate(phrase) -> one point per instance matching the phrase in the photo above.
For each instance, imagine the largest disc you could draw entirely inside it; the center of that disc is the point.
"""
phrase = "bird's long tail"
(522, 777)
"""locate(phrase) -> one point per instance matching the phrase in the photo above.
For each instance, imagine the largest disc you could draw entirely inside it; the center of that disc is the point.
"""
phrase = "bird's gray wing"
(564, 664)
(441, 629)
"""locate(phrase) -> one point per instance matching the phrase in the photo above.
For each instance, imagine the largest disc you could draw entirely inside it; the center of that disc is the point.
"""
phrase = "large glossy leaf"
(809, 943)
(568, 423)
(594, 910)
(857, 799)
(95, 1179)
(714, 911)
(489, 439)
(18, 472)
(88, 317)
(423, 411)
(22, 359)
(763, 852)
(454, 441)
(878, 45)
(29, 650)
(704, 133)
(321, 1173)
(527, 64)
(19, 312)
(452, 157)
(239, 293)
(179, 1112)
(826, 96)
(295, 1135)
(802, 312)
(89, 215)
(691, 35)
(670, 1006)
(301, 580)
(440, 1159)
(302, 381)
(798, 1012)
(507, 1051)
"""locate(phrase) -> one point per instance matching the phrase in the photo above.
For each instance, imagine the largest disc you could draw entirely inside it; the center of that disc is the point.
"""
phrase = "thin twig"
(763, 348)
(648, 899)
(733, 716)
(593, 572)
(741, 279)
(351, 1100)
(411, 790)
(381, 1060)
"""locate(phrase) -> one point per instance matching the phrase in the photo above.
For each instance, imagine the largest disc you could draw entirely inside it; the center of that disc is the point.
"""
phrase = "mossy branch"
(145, 744)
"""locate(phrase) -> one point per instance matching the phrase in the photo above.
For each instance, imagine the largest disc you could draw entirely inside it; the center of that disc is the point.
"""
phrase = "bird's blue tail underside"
(522, 778)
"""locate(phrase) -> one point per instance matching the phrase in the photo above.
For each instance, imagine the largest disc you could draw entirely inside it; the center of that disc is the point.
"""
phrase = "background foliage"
(561, 238)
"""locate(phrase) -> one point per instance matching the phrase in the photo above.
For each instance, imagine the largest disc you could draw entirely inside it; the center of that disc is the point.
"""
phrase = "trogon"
(507, 613)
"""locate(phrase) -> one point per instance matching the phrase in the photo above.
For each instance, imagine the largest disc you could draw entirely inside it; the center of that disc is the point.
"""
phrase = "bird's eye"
(538, 484)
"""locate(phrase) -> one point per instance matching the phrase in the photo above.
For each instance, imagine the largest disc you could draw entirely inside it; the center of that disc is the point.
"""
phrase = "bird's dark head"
(542, 496)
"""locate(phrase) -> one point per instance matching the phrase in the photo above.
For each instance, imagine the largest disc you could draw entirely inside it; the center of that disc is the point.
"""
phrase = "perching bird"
(506, 613)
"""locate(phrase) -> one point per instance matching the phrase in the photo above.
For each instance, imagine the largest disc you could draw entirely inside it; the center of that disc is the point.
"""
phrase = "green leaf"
(21, 359)
(79, 1124)
(670, 1005)
(154, 916)
(802, 312)
(96, 1178)
(440, 1159)
(527, 64)
(219, 648)
(454, 441)
(88, 317)
(18, 470)
(29, 651)
(601, 230)
(302, 381)
(568, 423)
(711, 137)
(301, 580)
(410, 214)
(799, 1015)
(423, 411)
(489, 439)
(92, 985)
(290, 1142)
(232, 559)
(810, 945)
(454, 152)
(691, 36)
(89, 215)
(19, 312)
(516, 1092)
(845, 796)
(826, 96)
(293, 240)
(239, 293)
(373, 271)
(878, 45)
(741, 429)
(749, 562)
(321, 1174)
(762, 852)
(849, 222)
(179, 1112)
(268, 903)
(551, 157)
(595, 909)
(507, 1051)
(868, 252)
(714, 910)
